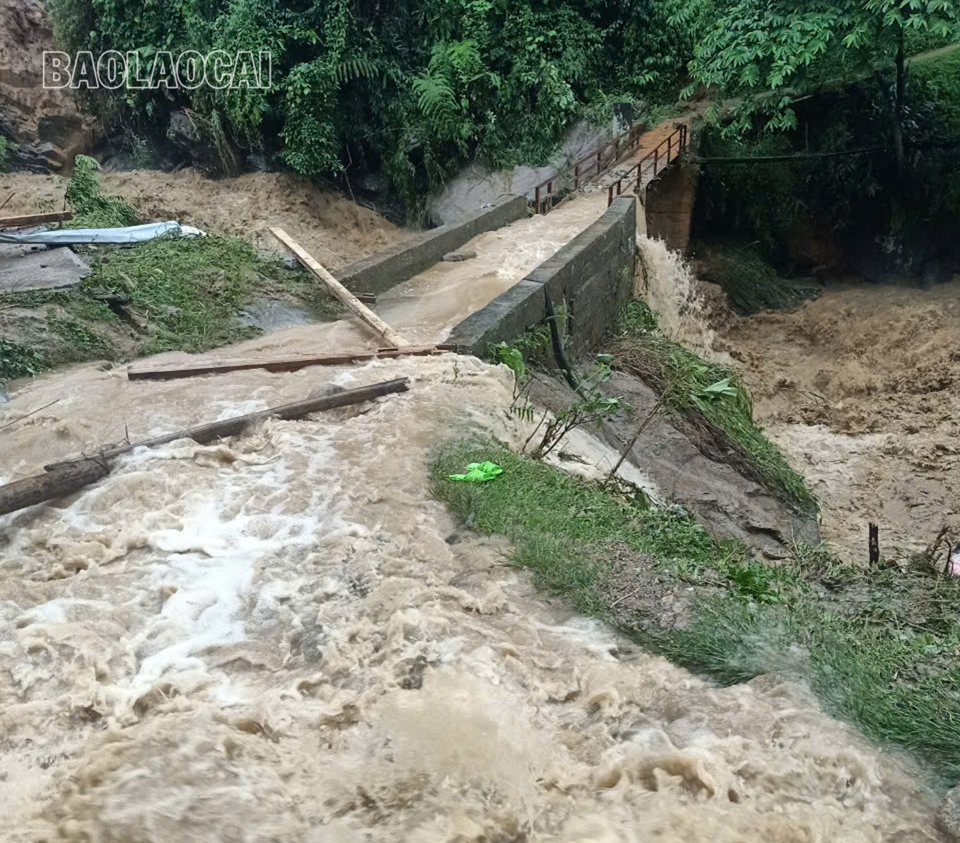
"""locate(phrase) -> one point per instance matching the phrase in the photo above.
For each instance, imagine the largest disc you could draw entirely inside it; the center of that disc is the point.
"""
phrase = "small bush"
(7, 148)
(18, 361)
(751, 284)
(91, 208)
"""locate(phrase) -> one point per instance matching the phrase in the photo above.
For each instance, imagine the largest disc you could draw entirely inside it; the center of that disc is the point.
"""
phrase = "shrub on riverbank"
(708, 395)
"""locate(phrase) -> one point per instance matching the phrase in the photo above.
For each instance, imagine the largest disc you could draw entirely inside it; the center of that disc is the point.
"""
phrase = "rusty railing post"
(576, 176)
(536, 201)
(669, 144)
(656, 159)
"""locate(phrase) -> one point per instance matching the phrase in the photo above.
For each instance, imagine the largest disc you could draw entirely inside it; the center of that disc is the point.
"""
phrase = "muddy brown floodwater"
(860, 390)
(284, 637)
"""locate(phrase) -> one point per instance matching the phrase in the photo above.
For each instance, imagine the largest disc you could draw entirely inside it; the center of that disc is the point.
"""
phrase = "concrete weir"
(386, 269)
(592, 276)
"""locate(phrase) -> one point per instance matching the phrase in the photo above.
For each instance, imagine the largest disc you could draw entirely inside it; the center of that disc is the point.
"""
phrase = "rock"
(45, 123)
(183, 132)
(948, 815)
(453, 257)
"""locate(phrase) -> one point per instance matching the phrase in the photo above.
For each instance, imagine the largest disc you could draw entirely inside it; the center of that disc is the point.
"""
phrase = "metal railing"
(654, 161)
(589, 166)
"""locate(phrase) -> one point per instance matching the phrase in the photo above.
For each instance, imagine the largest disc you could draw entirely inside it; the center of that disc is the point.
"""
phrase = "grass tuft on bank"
(708, 396)
(880, 647)
(751, 284)
(173, 293)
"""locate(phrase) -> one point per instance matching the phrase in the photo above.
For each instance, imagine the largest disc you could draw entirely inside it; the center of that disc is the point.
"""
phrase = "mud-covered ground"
(328, 225)
(860, 390)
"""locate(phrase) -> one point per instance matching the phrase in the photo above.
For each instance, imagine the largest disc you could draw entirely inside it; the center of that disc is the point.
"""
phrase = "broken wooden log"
(873, 543)
(205, 433)
(287, 364)
(34, 219)
(54, 484)
(349, 299)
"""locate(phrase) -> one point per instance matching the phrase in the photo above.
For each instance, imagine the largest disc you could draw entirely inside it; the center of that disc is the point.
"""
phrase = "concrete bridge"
(577, 246)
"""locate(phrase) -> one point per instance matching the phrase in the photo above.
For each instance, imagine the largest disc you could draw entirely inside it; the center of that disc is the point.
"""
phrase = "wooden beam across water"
(283, 364)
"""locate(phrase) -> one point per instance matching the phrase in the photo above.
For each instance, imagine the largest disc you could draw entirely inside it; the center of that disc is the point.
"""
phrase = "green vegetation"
(168, 294)
(772, 52)
(91, 208)
(189, 289)
(879, 646)
(709, 396)
(7, 148)
(750, 282)
(411, 89)
(19, 361)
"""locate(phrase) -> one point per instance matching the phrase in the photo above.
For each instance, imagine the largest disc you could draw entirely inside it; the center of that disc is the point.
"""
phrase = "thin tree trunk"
(898, 146)
(205, 433)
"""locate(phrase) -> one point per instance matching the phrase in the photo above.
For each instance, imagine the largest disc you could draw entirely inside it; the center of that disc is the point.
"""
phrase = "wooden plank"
(283, 364)
(34, 219)
(341, 292)
(231, 427)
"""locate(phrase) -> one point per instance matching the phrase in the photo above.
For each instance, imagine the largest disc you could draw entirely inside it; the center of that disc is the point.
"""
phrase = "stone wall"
(668, 206)
(384, 270)
(592, 276)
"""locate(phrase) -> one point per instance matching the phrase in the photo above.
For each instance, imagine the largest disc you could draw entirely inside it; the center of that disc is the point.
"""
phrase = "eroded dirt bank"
(285, 637)
(331, 227)
(859, 388)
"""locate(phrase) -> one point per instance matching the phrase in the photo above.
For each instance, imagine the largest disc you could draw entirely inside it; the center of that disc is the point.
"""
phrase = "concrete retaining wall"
(380, 272)
(592, 276)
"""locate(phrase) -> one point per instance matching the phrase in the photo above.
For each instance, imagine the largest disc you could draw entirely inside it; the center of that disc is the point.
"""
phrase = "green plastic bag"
(478, 472)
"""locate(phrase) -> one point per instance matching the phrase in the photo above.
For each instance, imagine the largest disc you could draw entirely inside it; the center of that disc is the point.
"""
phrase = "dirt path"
(860, 389)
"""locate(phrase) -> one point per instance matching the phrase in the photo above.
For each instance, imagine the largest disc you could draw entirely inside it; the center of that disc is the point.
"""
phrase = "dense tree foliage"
(772, 52)
(409, 88)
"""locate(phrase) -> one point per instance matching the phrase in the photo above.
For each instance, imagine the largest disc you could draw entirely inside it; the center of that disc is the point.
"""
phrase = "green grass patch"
(880, 648)
(711, 397)
(177, 293)
(19, 361)
(190, 289)
(91, 207)
(751, 284)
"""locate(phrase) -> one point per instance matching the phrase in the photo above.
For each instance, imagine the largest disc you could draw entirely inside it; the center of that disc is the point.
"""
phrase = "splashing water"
(284, 637)
(669, 286)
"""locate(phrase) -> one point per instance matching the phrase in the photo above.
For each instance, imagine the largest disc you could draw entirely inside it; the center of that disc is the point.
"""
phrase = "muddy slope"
(331, 227)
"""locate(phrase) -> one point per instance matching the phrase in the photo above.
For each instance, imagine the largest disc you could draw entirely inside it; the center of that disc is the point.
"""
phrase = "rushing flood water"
(284, 637)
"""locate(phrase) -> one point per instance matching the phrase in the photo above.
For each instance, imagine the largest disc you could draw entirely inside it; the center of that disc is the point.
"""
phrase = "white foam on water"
(285, 637)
